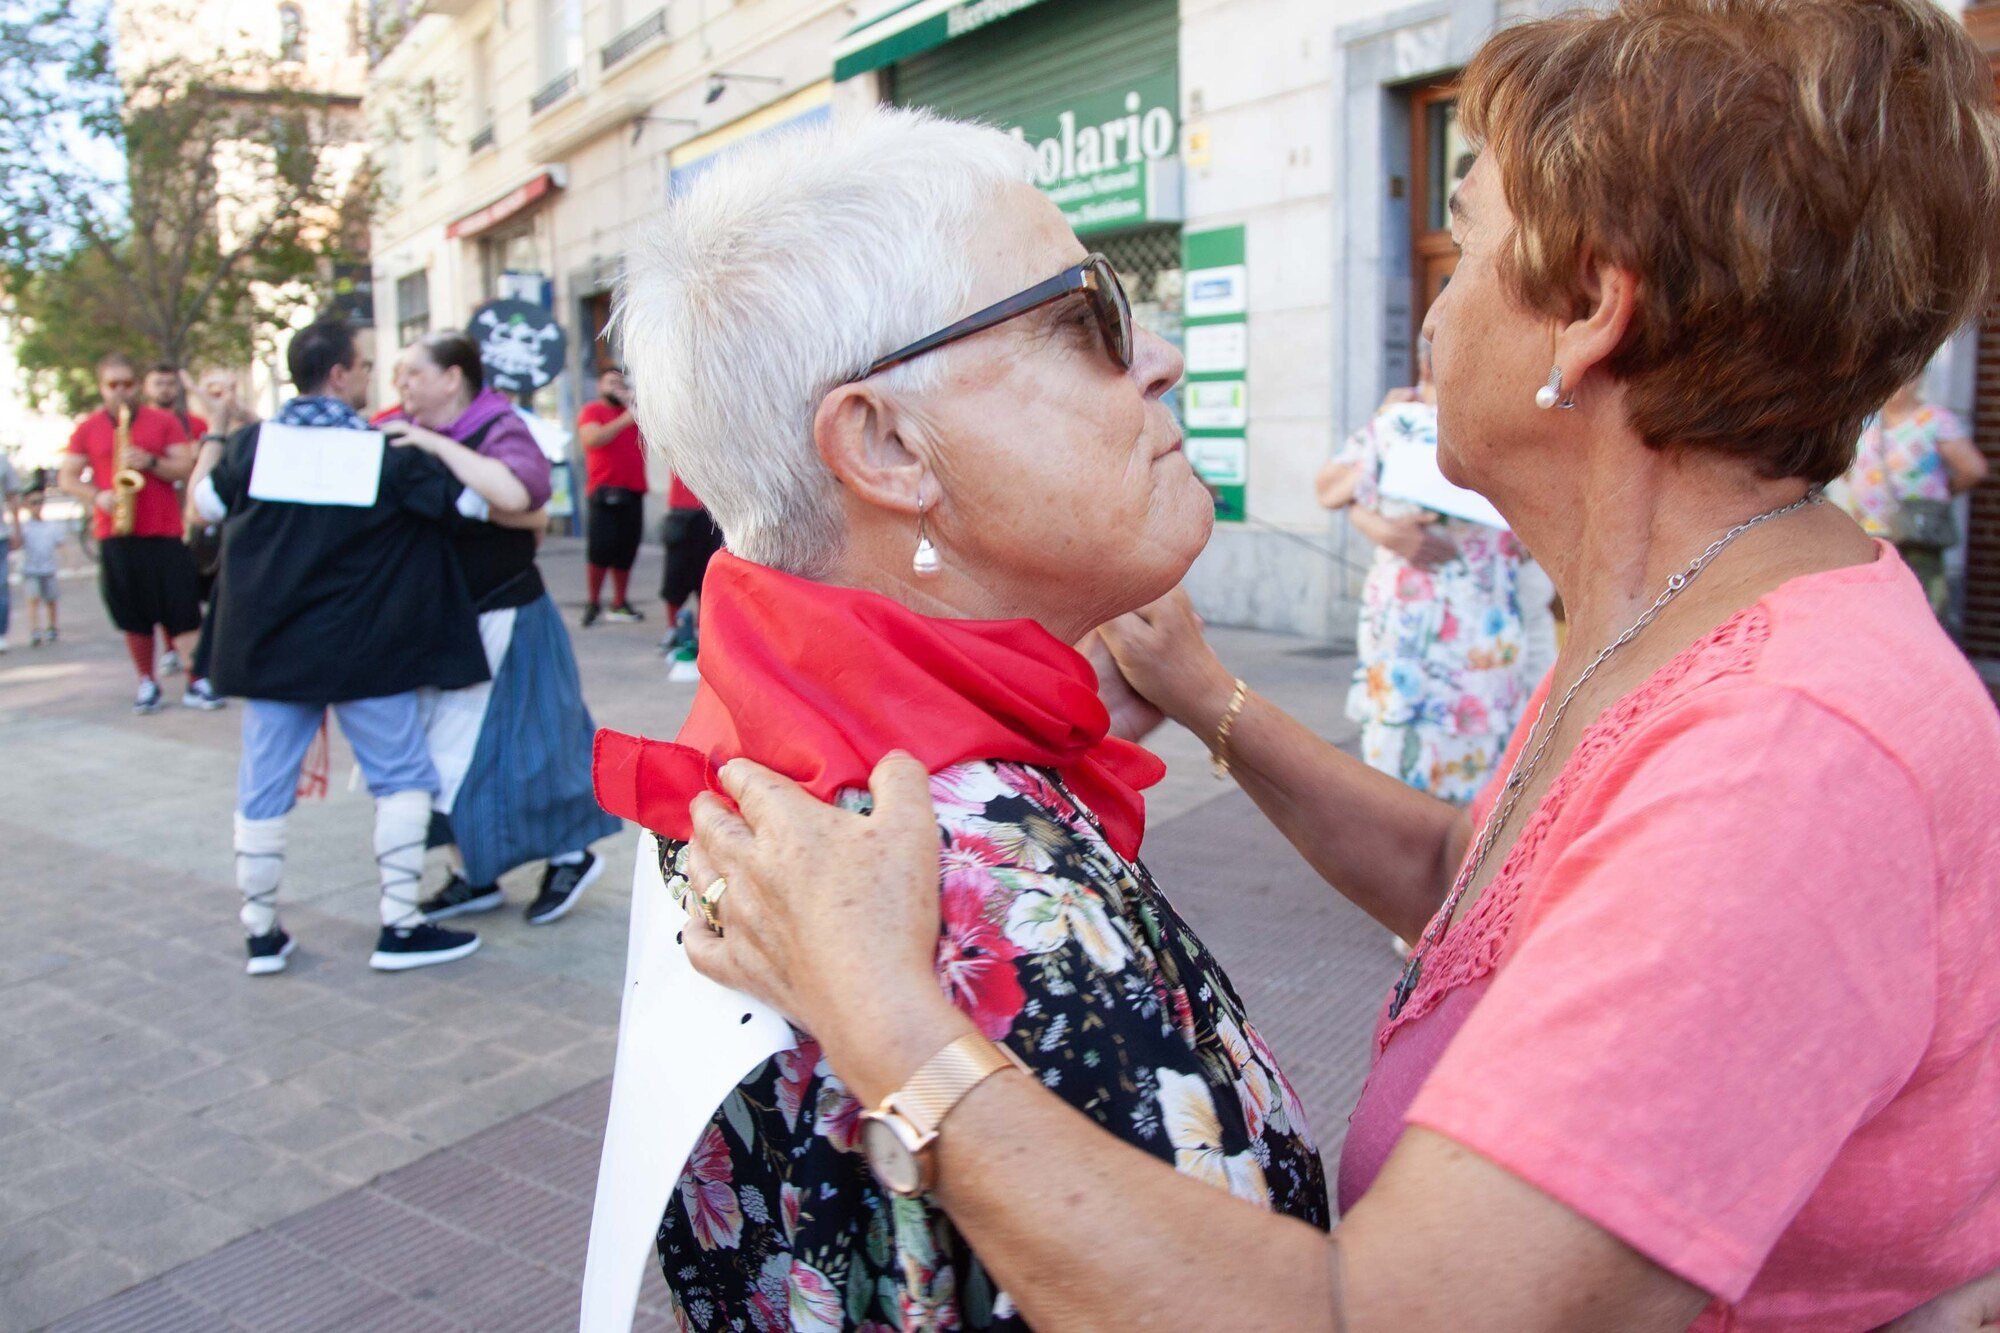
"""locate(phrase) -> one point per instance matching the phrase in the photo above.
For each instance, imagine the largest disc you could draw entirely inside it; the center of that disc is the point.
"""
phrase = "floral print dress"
(1070, 955)
(1894, 463)
(1440, 682)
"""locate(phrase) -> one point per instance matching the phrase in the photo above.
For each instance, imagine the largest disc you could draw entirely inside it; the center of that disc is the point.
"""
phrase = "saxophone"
(126, 480)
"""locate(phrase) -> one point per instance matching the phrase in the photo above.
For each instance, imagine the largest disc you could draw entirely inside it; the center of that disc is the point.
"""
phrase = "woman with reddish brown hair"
(1700, 1022)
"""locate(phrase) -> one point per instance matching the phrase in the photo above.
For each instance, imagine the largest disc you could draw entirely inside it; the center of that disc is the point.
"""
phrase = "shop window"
(559, 25)
(413, 307)
(291, 33)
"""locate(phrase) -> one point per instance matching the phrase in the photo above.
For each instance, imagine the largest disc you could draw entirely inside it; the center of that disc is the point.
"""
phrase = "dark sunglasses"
(1094, 278)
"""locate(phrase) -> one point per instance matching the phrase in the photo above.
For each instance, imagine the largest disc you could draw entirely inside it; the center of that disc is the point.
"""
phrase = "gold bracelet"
(1219, 754)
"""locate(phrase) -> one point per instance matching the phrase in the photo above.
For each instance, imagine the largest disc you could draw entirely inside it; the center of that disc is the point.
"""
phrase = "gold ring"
(709, 899)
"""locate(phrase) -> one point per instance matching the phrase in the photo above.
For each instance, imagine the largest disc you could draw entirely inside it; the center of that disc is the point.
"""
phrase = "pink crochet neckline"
(1471, 949)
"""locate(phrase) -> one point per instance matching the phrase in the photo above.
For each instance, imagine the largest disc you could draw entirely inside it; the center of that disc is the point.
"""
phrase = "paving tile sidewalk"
(489, 1234)
(159, 1109)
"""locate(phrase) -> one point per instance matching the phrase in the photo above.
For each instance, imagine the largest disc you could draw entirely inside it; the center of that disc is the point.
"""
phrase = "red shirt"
(158, 512)
(618, 461)
(680, 497)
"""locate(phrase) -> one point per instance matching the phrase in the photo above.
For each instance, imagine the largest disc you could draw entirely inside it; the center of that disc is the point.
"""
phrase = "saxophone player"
(123, 461)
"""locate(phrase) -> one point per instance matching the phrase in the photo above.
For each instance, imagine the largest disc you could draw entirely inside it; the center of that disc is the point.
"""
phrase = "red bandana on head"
(819, 683)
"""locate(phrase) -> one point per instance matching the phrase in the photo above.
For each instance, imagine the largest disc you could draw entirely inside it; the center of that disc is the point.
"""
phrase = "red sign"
(506, 206)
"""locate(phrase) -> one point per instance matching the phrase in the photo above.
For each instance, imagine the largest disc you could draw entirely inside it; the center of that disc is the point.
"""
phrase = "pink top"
(1740, 1006)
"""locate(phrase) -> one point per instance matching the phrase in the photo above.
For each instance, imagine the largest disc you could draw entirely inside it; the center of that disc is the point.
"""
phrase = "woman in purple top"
(514, 754)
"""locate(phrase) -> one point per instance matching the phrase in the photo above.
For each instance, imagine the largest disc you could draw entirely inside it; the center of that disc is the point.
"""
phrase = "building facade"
(1268, 175)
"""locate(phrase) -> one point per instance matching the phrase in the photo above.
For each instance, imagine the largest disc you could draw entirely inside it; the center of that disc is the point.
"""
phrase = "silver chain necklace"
(1521, 774)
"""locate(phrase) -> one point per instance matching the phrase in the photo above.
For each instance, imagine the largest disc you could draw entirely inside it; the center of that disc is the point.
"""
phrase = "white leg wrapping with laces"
(402, 821)
(260, 860)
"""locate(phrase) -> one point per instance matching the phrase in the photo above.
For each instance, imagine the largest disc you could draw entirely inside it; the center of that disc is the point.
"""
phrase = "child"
(40, 538)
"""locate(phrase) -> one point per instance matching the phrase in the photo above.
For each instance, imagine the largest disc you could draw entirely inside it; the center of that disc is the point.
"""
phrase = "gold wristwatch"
(897, 1136)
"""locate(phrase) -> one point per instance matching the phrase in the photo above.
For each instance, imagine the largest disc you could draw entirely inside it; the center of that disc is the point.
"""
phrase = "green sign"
(913, 28)
(1215, 399)
(1109, 160)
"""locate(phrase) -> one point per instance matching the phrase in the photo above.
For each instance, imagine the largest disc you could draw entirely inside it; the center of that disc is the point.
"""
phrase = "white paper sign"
(1216, 405)
(1410, 472)
(549, 435)
(1217, 349)
(314, 465)
(684, 1043)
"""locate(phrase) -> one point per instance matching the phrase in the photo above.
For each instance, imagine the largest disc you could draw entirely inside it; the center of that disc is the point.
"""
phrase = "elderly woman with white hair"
(924, 509)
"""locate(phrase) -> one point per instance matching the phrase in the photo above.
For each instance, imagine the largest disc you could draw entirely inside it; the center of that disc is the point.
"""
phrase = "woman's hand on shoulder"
(1161, 651)
(829, 917)
(415, 436)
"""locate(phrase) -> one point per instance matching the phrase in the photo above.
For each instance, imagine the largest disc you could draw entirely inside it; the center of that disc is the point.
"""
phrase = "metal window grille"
(634, 37)
(553, 91)
(1149, 264)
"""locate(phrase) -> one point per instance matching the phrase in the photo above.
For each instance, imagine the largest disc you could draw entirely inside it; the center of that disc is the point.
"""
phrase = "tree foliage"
(162, 196)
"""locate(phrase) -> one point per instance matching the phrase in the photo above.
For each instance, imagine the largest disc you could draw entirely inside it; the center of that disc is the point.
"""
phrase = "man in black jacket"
(342, 594)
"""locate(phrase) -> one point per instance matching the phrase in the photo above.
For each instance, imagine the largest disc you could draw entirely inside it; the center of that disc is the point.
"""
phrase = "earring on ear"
(926, 562)
(1552, 395)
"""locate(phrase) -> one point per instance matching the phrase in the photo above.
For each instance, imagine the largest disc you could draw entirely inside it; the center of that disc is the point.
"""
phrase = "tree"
(164, 196)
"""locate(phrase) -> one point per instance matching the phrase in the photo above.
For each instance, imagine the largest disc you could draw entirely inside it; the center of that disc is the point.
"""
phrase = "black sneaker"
(590, 614)
(624, 613)
(561, 887)
(400, 949)
(200, 694)
(268, 952)
(147, 700)
(457, 898)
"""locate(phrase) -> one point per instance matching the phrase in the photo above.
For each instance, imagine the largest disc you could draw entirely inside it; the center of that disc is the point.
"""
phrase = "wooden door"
(1439, 159)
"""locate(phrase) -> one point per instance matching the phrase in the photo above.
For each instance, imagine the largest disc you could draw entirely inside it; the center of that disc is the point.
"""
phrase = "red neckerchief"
(820, 682)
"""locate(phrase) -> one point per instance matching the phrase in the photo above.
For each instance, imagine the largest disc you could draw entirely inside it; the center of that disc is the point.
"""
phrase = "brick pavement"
(338, 1148)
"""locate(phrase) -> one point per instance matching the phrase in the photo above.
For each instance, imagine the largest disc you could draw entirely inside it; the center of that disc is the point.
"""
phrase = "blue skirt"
(527, 793)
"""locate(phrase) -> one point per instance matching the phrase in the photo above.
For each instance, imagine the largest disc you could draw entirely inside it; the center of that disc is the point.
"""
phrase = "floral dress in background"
(1070, 955)
(1440, 683)
(1897, 463)
(1892, 466)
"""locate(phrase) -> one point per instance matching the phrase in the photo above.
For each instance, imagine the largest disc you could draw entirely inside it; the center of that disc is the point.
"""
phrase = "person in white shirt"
(39, 541)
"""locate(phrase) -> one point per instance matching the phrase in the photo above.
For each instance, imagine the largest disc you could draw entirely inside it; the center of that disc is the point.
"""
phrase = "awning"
(506, 206)
(909, 27)
(807, 106)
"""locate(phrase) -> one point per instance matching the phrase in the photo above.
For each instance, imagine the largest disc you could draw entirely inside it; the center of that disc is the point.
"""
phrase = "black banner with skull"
(521, 345)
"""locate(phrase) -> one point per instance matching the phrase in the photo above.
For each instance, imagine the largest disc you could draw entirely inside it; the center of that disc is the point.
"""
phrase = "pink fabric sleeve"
(1949, 426)
(511, 442)
(1719, 978)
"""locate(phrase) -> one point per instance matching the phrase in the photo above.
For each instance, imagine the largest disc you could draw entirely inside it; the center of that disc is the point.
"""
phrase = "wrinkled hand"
(1160, 650)
(1972, 1307)
(829, 917)
(1133, 717)
(1418, 541)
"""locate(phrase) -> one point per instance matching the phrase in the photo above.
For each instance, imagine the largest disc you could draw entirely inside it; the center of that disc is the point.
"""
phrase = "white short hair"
(783, 271)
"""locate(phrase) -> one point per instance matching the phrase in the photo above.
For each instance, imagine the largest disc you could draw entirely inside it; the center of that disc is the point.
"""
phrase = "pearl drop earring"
(1552, 395)
(927, 563)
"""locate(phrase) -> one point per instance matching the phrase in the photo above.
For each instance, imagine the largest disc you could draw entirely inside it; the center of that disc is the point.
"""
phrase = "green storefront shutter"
(1058, 52)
